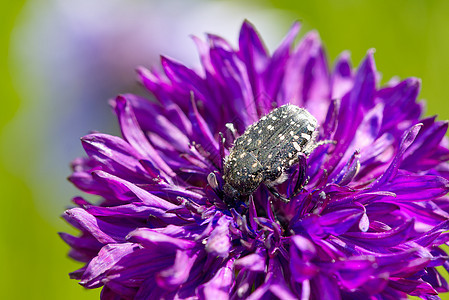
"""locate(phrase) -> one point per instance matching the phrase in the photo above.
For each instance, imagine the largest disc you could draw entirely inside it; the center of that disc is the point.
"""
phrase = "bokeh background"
(61, 60)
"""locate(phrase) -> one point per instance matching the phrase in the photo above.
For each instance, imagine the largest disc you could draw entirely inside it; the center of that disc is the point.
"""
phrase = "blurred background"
(61, 60)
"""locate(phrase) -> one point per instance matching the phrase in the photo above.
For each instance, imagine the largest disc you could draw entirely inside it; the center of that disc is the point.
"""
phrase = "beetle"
(267, 149)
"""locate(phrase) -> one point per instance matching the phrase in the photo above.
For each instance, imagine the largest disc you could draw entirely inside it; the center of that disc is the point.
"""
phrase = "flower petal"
(274, 72)
(254, 54)
(401, 110)
(104, 232)
(353, 106)
(254, 262)
(124, 188)
(151, 238)
(177, 274)
(108, 256)
(389, 238)
(219, 286)
(407, 139)
(115, 155)
(134, 136)
(219, 241)
(342, 78)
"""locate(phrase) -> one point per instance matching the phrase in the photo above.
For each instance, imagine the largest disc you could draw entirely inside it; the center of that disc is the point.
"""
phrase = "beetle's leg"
(300, 182)
(277, 195)
(302, 179)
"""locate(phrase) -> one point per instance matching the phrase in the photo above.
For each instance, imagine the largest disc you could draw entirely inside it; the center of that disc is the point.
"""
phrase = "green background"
(410, 38)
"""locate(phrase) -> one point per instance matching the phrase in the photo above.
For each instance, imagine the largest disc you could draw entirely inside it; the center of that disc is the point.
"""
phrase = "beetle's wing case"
(268, 147)
(242, 168)
(261, 133)
(256, 135)
(294, 134)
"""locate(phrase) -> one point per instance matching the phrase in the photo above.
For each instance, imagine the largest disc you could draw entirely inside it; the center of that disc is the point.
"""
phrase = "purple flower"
(367, 224)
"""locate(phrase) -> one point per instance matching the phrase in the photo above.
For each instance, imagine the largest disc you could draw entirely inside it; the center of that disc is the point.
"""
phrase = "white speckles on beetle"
(264, 157)
(296, 146)
(305, 136)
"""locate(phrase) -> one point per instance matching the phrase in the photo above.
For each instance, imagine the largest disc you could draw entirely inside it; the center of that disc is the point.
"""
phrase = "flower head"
(366, 225)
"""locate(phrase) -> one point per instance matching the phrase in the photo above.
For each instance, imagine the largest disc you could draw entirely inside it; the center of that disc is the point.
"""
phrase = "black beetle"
(267, 149)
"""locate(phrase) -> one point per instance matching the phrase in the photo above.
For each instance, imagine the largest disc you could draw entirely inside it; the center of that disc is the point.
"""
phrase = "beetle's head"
(240, 186)
(242, 175)
(230, 191)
